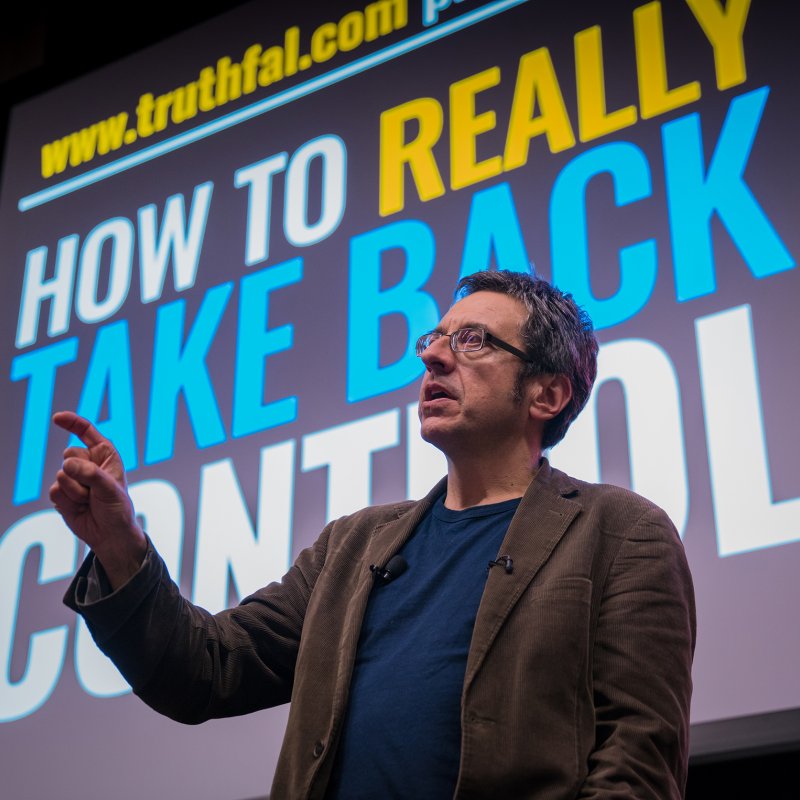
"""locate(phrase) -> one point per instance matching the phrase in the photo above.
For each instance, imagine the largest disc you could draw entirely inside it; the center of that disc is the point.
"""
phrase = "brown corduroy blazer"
(578, 679)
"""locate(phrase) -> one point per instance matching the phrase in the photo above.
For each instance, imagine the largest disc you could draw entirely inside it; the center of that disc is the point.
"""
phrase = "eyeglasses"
(468, 340)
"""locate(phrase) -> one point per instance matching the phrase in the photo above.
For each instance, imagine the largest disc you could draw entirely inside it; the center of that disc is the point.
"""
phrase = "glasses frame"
(433, 336)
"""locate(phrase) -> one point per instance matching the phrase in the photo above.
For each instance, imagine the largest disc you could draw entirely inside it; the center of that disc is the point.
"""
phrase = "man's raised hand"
(90, 493)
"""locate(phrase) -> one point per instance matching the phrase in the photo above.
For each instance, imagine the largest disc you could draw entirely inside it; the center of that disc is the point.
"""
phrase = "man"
(563, 672)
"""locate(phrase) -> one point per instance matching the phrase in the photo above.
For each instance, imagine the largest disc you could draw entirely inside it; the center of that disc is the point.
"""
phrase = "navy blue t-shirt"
(401, 736)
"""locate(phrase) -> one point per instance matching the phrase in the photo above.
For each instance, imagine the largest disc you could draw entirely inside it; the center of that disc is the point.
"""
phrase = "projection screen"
(221, 249)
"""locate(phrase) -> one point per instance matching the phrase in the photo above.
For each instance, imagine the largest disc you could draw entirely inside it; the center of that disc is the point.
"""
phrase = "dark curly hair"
(558, 335)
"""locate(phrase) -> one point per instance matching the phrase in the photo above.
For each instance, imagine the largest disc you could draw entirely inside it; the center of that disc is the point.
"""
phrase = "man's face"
(467, 398)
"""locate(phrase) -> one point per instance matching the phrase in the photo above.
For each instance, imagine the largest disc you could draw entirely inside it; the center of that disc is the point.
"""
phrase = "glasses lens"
(424, 342)
(469, 339)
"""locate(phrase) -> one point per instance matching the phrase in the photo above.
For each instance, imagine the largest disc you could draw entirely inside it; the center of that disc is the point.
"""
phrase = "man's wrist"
(120, 564)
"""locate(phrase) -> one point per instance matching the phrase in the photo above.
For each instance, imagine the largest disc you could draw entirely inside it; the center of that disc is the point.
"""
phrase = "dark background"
(44, 46)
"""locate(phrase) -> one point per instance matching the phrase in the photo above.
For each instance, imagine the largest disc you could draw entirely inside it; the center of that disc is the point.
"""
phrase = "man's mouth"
(436, 392)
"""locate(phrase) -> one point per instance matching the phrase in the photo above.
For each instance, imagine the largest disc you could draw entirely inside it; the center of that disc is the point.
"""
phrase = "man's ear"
(548, 396)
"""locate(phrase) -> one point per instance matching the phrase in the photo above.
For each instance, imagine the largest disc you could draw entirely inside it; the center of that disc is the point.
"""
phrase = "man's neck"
(488, 479)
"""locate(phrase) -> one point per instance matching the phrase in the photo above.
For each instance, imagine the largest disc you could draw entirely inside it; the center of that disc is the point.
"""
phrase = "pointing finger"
(81, 427)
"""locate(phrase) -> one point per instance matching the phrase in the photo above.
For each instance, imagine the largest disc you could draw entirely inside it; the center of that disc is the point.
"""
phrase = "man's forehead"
(493, 310)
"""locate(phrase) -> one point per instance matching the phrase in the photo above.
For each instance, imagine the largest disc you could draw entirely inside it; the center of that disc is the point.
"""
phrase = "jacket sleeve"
(187, 663)
(641, 668)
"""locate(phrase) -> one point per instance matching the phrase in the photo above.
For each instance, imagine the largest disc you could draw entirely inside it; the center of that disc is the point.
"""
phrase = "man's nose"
(439, 355)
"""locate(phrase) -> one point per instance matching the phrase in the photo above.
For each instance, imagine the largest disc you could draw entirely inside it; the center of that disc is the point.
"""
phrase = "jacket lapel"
(541, 520)
(388, 538)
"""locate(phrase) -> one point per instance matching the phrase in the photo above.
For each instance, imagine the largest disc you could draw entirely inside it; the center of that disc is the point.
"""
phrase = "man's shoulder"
(617, 506)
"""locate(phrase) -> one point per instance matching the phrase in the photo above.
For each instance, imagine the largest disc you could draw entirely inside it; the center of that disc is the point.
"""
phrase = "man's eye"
(470, 338)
